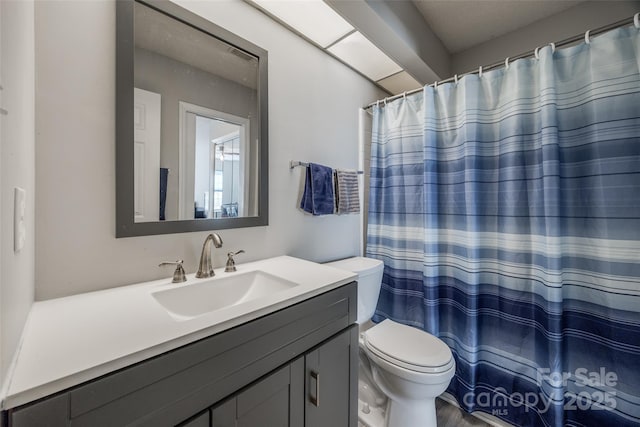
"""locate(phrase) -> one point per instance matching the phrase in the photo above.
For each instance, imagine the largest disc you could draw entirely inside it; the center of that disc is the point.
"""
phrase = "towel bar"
(296, 163)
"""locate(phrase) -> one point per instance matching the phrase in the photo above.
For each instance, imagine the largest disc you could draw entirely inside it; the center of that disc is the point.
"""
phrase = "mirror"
(191, 123)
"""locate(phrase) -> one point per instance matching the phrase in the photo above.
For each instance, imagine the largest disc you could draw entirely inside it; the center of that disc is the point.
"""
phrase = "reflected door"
(146, 155)
(214, 164)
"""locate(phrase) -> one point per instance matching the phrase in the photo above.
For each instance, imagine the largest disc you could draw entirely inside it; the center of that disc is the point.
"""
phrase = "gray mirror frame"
(125, 225)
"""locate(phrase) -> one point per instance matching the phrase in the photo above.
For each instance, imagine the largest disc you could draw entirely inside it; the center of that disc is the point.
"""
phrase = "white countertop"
(67, 341)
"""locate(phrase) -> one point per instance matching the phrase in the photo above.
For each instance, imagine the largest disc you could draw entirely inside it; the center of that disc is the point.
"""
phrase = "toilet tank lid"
(360, 265)
(408, 345)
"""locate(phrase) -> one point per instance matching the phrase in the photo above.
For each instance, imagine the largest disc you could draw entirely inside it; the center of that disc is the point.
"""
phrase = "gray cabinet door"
(275, 401)
(317, 390)
(331, 382)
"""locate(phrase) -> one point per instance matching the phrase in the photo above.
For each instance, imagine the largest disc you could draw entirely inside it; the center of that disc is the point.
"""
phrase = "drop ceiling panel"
(362, 55)
(313, 18)
(399, 83)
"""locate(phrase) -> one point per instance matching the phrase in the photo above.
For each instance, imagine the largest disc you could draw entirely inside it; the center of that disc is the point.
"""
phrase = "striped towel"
(347, 192)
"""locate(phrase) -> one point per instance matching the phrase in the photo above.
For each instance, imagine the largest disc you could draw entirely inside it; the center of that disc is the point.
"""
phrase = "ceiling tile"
(362, 55)
(312, 18)
(399, 83)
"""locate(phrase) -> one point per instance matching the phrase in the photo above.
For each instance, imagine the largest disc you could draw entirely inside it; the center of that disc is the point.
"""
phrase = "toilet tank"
(369, 273)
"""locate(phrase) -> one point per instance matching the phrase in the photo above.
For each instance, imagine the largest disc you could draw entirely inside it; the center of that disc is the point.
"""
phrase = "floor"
(451, 416)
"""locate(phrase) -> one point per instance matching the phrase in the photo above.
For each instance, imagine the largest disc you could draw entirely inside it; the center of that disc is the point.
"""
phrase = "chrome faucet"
(205, 269)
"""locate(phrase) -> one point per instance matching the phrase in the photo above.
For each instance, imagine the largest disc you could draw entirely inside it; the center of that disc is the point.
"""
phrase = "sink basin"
(192, 300)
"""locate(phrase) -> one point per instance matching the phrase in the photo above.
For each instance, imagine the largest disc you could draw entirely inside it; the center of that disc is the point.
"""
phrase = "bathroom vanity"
(284, 359)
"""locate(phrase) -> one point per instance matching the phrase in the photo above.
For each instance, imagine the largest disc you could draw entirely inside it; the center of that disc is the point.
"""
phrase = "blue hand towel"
(306, 204)
(318, 196)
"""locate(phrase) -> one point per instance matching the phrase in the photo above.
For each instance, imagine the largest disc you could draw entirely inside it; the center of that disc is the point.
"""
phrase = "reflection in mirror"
(218, 164)
(183, 65)
(199, 129)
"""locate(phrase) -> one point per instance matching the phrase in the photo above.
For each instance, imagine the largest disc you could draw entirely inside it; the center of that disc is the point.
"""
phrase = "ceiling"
(402, 45)
(461, 25)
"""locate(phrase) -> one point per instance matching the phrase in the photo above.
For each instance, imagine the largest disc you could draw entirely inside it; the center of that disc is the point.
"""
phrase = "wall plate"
(19, 225)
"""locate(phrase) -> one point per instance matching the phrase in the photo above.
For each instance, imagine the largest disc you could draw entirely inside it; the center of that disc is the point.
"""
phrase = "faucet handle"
(178, 274)
(231, 264)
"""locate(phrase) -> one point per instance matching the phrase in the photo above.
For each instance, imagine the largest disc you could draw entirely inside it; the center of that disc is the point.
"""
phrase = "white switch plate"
(19, 225)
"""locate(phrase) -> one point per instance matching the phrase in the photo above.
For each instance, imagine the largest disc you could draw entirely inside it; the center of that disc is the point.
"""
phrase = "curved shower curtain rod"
(586, 37)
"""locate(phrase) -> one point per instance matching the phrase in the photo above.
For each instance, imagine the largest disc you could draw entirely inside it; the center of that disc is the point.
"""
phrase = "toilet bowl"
(409, 366)
(412, 368)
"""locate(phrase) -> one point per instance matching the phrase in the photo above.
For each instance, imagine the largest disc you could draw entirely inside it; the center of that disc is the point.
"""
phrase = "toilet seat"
(408, 347)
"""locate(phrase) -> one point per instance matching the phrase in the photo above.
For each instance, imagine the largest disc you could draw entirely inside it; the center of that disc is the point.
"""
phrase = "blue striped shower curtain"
(506, 208)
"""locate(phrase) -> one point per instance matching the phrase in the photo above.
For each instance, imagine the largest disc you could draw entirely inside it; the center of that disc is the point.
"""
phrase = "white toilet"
(410, 366)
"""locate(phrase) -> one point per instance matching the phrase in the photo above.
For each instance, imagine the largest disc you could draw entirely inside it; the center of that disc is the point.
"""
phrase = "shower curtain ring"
(587, 40)
(506, 63)
(455, 78)
(404, 94)
(636, 20)
(480, 71)
(553, 47)
(435, 84)
(536, 53)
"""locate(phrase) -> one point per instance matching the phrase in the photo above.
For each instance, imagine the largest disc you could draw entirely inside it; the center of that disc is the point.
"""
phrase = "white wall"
(17, 144)
(313, 116)
(587, 15)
